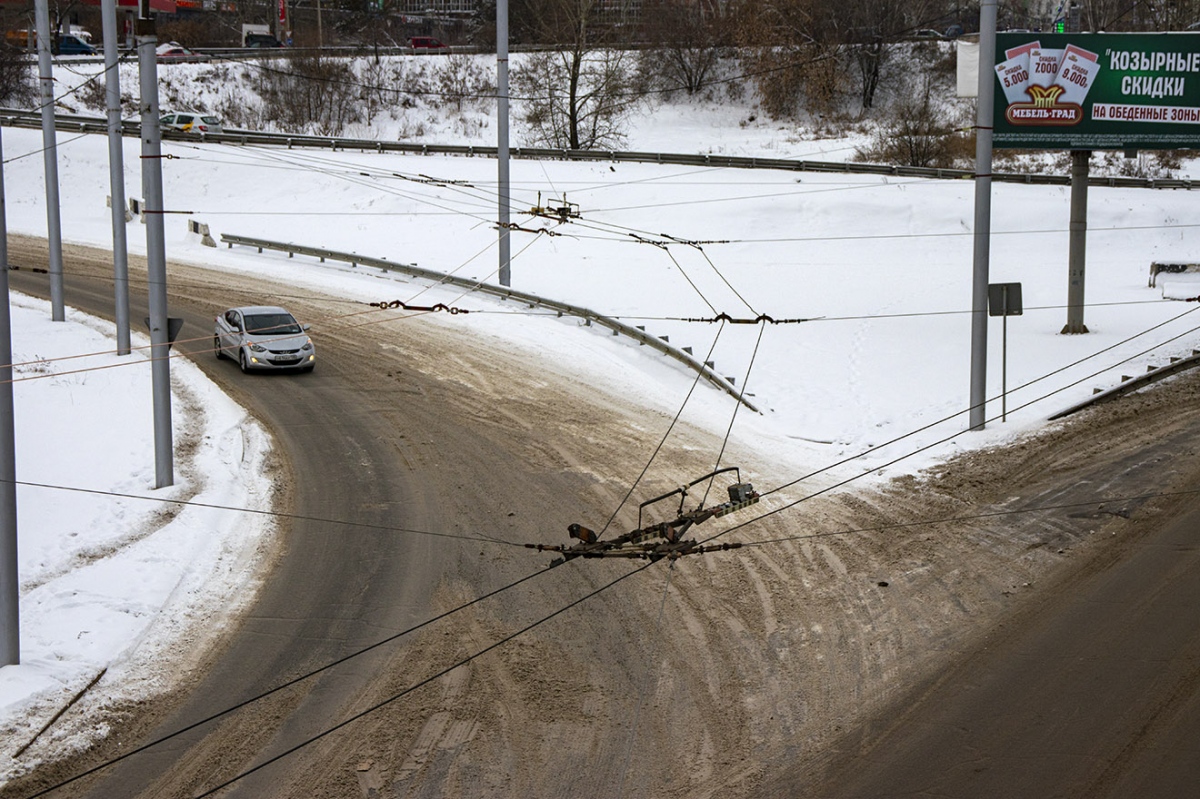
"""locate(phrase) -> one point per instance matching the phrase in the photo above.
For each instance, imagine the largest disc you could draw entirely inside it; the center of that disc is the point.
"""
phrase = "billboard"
(1097, 91)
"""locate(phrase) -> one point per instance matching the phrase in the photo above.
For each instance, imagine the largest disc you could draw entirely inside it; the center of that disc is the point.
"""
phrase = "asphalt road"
(366, 438)
(333, 588)
(1025, 655)
(1093, 694)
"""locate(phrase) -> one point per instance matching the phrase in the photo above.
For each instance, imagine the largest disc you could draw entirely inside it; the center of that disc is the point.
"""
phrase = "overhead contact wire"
(911, 453)
(663, 440)
(377, 706)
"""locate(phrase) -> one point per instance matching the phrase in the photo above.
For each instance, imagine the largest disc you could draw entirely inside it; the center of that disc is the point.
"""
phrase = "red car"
(426, 43)
(174, 51)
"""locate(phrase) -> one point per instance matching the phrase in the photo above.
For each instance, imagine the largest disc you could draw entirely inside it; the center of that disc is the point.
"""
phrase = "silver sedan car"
(263, 337)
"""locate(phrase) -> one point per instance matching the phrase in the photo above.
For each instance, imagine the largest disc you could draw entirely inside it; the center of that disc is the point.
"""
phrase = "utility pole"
(502, 189)
(10, 616)
(984, 117)
(156, 251)
(116, 178)
(50, 159)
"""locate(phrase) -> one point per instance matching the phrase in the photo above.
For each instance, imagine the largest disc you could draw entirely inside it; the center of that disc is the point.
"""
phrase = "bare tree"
(16, 78)
(579, 95)
(790, 55)
(316, 94)
(577, 100)
(1125, 15)
(919, 132)
(684, 38)
(799, 47)
(463, 79)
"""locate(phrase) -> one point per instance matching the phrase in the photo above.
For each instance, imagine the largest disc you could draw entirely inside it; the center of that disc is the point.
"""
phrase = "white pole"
(10, 597)
(502, 192)
(116, 175)
(50, 159)
(156, 251)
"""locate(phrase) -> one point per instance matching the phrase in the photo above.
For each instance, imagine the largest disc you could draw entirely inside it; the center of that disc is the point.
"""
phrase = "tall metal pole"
(983, 212)
(1076, 260)
(10, 616)
(502, 189)
(116, 174)
(50, 159)
(156, 250)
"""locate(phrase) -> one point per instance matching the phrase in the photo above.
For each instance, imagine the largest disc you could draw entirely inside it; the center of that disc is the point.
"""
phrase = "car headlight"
(307, 346)
(258, 348)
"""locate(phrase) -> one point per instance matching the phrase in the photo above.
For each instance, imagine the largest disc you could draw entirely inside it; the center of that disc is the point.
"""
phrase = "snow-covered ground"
(880, 269)
(113, 574)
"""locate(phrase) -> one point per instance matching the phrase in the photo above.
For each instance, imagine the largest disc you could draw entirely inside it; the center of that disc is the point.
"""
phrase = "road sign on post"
(1004, 300)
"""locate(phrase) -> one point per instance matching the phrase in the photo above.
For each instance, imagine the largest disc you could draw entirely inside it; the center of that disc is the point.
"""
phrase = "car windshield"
(272, 324)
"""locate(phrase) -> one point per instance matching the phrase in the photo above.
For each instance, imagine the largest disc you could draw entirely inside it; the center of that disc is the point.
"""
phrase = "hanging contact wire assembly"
(561, 210)
(663, 539)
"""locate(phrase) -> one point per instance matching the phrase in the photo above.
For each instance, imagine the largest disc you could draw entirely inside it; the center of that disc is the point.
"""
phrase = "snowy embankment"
(120, 587)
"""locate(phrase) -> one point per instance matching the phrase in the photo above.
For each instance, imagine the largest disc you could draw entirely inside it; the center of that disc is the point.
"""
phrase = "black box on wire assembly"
(741, 492)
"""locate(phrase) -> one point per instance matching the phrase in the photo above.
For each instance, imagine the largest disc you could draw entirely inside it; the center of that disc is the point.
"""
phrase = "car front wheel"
(242, 361)
(217, 347)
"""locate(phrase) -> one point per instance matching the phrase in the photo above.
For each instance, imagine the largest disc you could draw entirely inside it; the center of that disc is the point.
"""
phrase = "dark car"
(262, 40)
(69, 44)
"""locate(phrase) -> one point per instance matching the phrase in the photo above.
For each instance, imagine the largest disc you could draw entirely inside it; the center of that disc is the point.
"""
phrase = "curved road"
(377, 437)
(1032, 654)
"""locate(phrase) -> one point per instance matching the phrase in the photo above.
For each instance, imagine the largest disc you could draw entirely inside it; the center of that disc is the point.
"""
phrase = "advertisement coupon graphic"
(1098, 91)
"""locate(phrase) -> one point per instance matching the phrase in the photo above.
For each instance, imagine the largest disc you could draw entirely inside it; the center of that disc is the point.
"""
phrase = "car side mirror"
(305, 327)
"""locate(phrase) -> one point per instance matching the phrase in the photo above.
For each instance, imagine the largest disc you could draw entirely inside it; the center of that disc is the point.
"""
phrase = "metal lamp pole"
(156, 250)
(116, 178)
(50, 159)
(10, 617)
(502, 192)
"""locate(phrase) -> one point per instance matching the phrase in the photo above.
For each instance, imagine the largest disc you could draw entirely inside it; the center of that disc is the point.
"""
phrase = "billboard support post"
(1076, 258)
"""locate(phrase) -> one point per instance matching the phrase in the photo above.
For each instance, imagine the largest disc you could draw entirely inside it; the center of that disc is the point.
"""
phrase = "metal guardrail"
(210, 54)
(86, 124)
(1130, 384)
(504, 293)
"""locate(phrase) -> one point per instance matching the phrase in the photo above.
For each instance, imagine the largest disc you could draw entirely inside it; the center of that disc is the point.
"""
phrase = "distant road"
(87, 124)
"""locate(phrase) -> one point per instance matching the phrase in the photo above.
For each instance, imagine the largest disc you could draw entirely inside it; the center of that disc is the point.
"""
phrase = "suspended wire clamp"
(441, 306)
